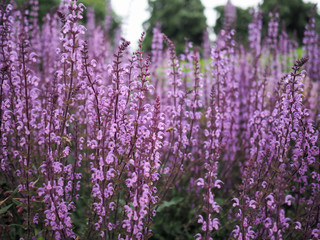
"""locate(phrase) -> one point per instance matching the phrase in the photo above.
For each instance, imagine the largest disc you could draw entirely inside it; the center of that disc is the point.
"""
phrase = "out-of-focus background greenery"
(180, 19)
(98, 5)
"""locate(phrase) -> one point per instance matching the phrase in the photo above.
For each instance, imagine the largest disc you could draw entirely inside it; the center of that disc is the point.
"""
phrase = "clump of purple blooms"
(91, 131)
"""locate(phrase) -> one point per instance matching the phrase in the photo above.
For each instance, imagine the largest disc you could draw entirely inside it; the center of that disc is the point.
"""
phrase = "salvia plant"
(101, 143)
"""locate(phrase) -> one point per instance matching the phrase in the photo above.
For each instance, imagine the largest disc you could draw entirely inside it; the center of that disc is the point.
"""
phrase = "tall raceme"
(143, 156)
(272, 47)
(7, 95)
(157, 59)
(225, 84)
(206, 75)
(174, 110)
(26, 119)
(61, 177)
(311, 45)
(157, 44)
(255, 32)
(210, 181)
(281, 157)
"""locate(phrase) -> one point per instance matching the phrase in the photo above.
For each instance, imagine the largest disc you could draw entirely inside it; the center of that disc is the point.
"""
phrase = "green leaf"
(170, 203)
(16, 202)
(36, 233)
(14, 192)
(5, 209)
(18, 225)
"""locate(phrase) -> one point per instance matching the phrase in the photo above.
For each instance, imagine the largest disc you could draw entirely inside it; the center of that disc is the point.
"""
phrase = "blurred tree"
(293, 13)
(100, 7)
(179, 19)
(46, 6)
(240, 24)
(102, 10)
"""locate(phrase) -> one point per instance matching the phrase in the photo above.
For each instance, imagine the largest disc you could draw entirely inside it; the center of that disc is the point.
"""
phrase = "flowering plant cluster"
(95, 141)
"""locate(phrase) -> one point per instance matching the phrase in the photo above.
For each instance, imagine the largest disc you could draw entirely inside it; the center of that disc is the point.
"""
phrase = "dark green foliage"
(45, 6)
(176, 218)
(11, 223)
(241, 24)
(294, 13)
(99, 7)
(179, 19)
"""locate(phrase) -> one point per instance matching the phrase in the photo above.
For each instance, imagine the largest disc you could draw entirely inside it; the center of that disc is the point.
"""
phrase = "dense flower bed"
(96, 140)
